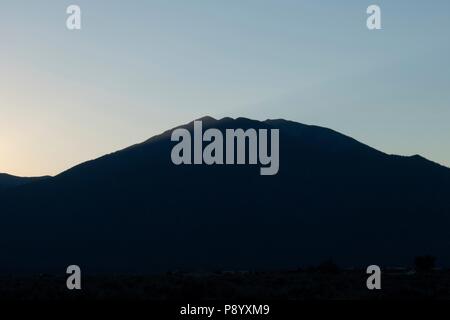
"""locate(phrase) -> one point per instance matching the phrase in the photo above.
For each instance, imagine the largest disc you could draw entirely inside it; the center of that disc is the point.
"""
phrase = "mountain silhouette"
(135, 211)
(9, 181)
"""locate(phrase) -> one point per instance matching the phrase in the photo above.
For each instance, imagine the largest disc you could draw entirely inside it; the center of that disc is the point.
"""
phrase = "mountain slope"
(133, 210)
(9, 181)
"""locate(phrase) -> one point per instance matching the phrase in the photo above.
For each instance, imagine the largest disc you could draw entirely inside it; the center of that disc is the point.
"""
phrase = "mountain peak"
(206, 119)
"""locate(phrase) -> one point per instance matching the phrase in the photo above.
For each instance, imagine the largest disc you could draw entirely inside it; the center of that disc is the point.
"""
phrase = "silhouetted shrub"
(425, 263)
(328, 266)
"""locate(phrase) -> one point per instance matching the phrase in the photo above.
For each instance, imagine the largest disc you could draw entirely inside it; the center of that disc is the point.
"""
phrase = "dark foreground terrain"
(230, 286)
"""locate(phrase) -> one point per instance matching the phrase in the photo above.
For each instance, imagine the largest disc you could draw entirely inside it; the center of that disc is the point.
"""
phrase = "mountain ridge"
(134, 211)
(10, 181)
(209, 120)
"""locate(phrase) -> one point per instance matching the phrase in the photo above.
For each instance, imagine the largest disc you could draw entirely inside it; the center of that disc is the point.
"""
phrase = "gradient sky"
(140, 67)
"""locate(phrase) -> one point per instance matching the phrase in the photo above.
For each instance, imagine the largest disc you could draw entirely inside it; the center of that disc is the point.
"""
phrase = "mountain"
(135, 211)
(9, 181)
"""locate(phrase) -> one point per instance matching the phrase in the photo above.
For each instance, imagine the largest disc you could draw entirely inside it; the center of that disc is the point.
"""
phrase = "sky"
(138, 68)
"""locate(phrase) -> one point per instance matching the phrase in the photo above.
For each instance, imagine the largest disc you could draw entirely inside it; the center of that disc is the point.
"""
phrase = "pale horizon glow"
(137, 69)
